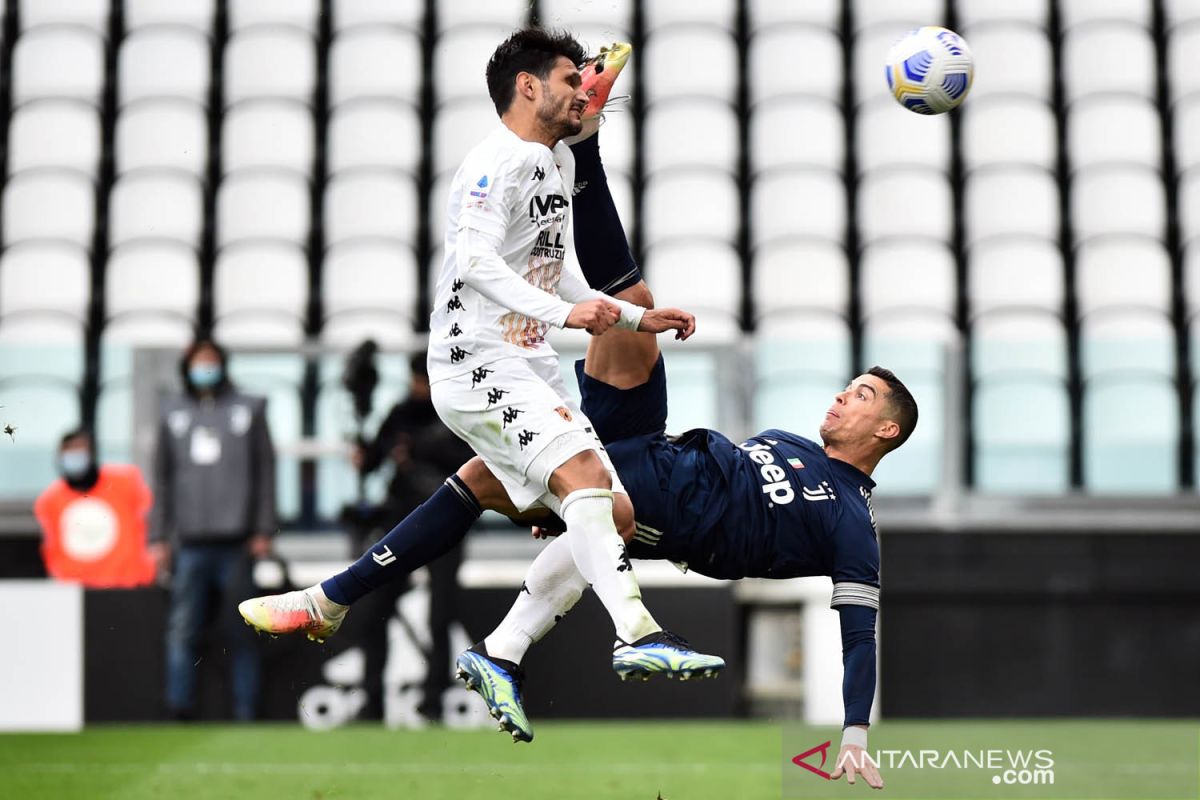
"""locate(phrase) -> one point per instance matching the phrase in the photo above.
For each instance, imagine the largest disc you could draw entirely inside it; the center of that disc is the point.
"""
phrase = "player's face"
(858, 412)
(563, 100)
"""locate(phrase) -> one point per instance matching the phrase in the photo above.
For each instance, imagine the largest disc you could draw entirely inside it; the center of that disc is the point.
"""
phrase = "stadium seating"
(1115, 129)
(990, 211)
(1184, 78)
(369, 288)
(152, 291)
(1130, 432)
(897, 13)
(376, 63)
(798, 203)
(58, 61)
(667, 13)
(1019, 60)
(971, 12)
(665, 148)
(703, 277)
(691, 204)
(907, 275)
(1009, 130)
(156, 204)
(55, 133)
(905, 202)
(270, 62)
(164, 61)
(49, 203)
(796, 132)
(197, 14)
(1115, 272)
(1118, 199)
(890, 139)
(767, 14)
(91, 14)
(301, 14)
(775, 49)
(263, 204)
(349, 13)
(791, 276)
(1015, 272)
(675, 55)
(45, 278)
(260, 292)
(169, 134)
(1077, 11)
(268, 133)
(1022, 436)
(369, 203)
(1089, 66)
(371, 133)
(460, 60)
(1187, 134)
(1018, 343)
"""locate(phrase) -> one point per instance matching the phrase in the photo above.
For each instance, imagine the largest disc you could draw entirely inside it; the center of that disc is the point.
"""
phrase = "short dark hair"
(76, 433)
(900, 400)
(532, 50)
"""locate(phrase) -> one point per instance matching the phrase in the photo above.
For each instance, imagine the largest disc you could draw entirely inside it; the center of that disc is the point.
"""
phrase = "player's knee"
(482, 483)
(582, 471)
(623, 516)
(638, 294)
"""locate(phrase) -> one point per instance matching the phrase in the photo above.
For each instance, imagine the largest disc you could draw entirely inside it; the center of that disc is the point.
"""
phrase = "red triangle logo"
(823, 749)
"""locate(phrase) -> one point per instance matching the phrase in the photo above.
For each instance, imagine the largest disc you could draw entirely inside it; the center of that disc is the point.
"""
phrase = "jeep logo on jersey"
(775, 482)
(546, 206)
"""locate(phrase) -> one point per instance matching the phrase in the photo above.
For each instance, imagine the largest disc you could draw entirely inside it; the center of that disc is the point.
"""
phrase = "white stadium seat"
(1074, 12)
(369, 203)
(676, 56)
(261, 290)
(1130, 437)
(670, 13)
(40, 346)
(300, 14)
(49, 204)
(773, 57)
(1003, 202)
(1022, 437)
(46, 408)
(1015, 272)
(1121, 342)
(1116, 272)
(156, 205)
(152, 278)
(871, 47)
(262, 204)
(1118, 200)
(799, 275)
(1187, 135)
(616, 142)
(704, 278)
(406, 13)
(87, 13)
(1191, 285)
(54, 133)
(905, 203)
(1009, 131)
(790, 133)
(972, 12)
(664, 147)
(1108, 57)
(1189, 206)
(60, 62)
(1018, 342)
(766, 14)
(899, 14)
(460, 60)
(613, 14)
(1114, 129)
(1010, 58)
(42, 277)
(1181, 64)
(198, 14)
(369, 289)
(268, 133)
(907, 276)
(377, 134)
(510, 14)
(691, 204)
(799, 203)
(886, 138)
(171, 134)
(164, 62)
(1181, 11)
(270, 63)
(377, 63)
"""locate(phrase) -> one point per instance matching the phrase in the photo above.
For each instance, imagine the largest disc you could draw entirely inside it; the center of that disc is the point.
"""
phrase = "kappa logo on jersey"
(454, 305)
(457, 285)
(479, 375)
(525, 437)
(538, 174)
(454, 331)
(546, 206)
(775, 482)
(823, 491)
(457, 354)
(494, 396)
(509, 416)
(623, 565)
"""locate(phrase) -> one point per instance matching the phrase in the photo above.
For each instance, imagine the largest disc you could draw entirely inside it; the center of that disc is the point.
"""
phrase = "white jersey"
(519, 192)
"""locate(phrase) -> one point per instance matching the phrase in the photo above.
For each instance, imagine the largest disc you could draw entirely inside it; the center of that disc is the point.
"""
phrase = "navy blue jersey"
(791, 511)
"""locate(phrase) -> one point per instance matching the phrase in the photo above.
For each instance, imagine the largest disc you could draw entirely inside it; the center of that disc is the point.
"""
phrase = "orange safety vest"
(98, 537)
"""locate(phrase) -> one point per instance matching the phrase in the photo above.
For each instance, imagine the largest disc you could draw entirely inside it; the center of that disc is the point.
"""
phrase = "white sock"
(552, 587)
(600, 555)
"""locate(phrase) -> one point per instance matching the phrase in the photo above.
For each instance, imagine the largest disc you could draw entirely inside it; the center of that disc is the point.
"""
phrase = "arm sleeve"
(858, 662)
(265, 520)
(573, 288)
(162, 518)
(482, 268)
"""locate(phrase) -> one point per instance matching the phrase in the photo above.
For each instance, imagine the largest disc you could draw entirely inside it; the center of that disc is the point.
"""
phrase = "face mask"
(75, 463)
(204, 376)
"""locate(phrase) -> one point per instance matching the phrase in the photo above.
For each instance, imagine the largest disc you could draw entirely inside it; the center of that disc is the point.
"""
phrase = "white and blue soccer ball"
(930, 70)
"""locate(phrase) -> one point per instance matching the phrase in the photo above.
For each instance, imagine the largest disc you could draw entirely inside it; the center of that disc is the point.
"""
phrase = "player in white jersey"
(495, 381)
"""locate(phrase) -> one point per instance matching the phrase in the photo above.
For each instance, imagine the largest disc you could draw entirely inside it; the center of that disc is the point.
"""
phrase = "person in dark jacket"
(422, 452)
(213, 515)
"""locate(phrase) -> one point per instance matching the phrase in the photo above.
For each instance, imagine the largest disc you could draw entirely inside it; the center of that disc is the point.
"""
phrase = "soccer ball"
(930, 70)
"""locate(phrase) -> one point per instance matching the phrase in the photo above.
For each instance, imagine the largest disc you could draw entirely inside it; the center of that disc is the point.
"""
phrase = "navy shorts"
(671, 487)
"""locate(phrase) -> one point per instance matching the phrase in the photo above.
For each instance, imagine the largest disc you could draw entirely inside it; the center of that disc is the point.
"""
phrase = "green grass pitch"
(584, 760)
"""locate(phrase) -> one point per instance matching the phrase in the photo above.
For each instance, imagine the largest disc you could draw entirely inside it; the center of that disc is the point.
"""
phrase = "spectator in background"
(422, 452)
(93, 519)
(214, 514)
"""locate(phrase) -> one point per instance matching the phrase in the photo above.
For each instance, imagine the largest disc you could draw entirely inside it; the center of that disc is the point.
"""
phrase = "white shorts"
(518, 416)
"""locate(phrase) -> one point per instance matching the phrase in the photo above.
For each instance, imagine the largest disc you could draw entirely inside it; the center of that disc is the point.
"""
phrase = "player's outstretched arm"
(660, 320)
(481, 267)
(633, 317)
(858, 692)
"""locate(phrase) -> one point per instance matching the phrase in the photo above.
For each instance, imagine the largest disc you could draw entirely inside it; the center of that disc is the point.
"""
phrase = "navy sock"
(431, 530)
(600, 242)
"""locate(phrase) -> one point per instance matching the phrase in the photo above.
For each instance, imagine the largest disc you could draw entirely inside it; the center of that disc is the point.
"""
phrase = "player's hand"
(657, 320)
(852, 761)
(594, 316)
(543, 533)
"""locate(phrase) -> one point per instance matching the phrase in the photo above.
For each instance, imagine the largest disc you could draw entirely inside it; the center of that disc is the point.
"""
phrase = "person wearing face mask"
(93, 520)
(213, 516)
